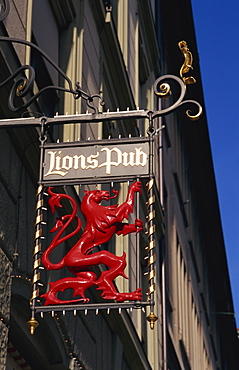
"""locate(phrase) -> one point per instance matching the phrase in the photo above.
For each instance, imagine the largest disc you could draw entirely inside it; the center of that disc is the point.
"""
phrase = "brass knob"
(152, 318)
(32, 324)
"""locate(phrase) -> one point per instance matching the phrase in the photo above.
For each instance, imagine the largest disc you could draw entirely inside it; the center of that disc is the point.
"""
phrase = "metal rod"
(163, 271)
(90, 181)
(137, 244)
(93, 306)
(151, 227)
(32, 323)
(164, 314)
(75, 118)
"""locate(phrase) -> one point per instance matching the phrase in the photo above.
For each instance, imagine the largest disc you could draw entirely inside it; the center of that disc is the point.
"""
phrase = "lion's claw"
(136, 187)
(121, 297)
(138, 224)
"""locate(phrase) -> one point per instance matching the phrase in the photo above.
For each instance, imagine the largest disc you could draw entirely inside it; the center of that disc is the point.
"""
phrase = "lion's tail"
(57, 241)
(46, 260)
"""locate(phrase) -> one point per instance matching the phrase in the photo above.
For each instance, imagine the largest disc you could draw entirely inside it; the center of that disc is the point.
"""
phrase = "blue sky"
(217, 32)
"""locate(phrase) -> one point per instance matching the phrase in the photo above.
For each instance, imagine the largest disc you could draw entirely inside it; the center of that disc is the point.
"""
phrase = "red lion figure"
(101, 224)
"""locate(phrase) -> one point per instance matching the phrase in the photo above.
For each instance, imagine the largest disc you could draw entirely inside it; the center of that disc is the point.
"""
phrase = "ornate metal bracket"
(24, 85)
(163, 90)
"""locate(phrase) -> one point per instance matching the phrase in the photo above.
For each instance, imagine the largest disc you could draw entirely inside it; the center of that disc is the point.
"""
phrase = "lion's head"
(97, 196)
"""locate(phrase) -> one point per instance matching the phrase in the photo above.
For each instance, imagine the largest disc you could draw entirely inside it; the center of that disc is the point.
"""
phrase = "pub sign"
(83, 162)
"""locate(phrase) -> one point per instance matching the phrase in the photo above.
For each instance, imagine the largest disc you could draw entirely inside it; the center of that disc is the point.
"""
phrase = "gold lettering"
(76, 161)
(141, 157)
(131, 161)
(108, 163)
(94, 162)
(52, 165)
(67, 162)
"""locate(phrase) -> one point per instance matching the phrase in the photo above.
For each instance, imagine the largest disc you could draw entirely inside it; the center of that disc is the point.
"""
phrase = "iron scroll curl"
(23, 84)
(4, 10)
(163, 90)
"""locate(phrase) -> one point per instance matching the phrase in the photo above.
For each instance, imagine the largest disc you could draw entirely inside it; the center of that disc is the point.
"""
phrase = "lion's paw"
(138, 224)
(137, 187)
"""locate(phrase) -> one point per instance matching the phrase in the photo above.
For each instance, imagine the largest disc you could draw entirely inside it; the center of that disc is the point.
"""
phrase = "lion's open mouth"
(105, 197)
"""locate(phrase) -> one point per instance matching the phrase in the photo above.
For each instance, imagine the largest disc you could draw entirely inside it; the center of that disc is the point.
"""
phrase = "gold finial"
(187, 65)
(32, 324)
(152, 318)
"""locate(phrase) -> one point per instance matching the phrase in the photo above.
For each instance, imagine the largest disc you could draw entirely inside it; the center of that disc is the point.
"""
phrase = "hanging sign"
(77, 162)
(90, 162)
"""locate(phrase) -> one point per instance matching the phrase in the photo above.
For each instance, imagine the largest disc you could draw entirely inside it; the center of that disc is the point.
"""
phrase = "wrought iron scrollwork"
(4, 9)
(21, 86)
(24, 85)
(163, 90)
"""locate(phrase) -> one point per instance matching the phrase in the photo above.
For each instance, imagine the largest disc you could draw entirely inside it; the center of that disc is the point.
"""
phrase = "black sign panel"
(90, 161)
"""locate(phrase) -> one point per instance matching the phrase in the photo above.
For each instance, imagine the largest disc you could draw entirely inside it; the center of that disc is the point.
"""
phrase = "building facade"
(117, 49)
